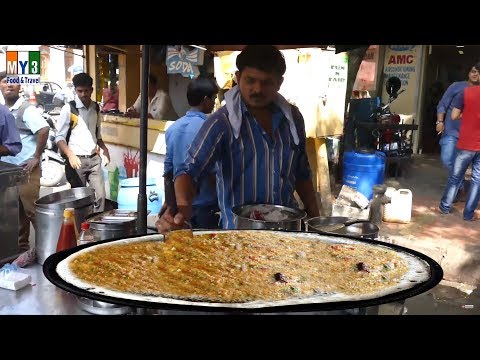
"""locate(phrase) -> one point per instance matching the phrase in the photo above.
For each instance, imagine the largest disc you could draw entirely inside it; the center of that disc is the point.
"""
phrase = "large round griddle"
(435, 276)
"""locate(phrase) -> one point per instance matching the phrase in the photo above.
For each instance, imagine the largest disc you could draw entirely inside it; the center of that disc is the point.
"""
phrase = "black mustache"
(259, 96)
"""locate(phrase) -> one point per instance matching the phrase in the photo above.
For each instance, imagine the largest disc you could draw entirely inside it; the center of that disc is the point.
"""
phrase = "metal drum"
(49, 216)
(10, 177)
(277, 217)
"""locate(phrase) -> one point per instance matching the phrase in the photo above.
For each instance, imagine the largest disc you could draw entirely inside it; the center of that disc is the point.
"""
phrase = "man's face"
(474, 76)
(210, 103)
(9, 91)
(258, 88)
(84, 93)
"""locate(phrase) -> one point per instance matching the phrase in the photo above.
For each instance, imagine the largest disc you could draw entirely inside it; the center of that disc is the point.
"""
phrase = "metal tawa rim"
(436, 275)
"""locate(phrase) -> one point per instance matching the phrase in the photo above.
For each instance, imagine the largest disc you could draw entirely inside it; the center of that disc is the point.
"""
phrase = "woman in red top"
(110, 98)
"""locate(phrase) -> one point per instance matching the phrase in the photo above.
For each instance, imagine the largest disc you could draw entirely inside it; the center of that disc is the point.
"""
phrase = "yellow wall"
(126, 131)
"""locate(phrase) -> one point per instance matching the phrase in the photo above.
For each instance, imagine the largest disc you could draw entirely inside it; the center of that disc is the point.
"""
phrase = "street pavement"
(448, 239)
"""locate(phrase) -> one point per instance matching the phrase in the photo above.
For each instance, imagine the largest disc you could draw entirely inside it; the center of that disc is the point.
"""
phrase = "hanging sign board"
(184, 60)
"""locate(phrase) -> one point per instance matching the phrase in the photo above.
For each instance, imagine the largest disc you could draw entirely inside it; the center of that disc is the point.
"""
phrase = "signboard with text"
(404, 62)
(184, 60)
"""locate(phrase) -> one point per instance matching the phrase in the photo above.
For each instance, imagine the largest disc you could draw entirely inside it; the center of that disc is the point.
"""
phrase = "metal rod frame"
(142, 196)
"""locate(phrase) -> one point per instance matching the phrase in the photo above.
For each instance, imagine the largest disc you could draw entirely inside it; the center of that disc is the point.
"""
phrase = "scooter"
(53, 164)
(391, 141)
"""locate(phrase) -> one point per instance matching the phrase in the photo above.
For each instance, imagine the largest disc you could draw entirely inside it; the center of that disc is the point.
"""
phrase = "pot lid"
(113, 219)
(74, 198)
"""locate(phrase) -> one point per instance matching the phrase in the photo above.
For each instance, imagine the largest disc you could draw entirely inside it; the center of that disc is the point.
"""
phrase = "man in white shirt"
(80, 146)
(159, 104)
(33, 129)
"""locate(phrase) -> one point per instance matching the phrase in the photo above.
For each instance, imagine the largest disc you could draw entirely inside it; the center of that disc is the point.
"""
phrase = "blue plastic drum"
(363, 169)
(128, 195)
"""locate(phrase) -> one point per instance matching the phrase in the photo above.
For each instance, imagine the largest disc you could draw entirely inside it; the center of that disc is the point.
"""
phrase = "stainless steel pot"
(109, 225)
(364, 230)
(49, 216)
(289, 219)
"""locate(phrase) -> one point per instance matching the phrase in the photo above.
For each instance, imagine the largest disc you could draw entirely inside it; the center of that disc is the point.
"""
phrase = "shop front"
(315, 81)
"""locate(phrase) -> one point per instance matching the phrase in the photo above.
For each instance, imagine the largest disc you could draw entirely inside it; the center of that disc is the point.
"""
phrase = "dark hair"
(199, 88)
(262, 57)
(476, 66)
(152, 80)
(3, 75)
(82, 79)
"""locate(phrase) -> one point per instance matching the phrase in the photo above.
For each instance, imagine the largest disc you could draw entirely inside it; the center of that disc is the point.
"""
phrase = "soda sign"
(23, 67)
(185, 61)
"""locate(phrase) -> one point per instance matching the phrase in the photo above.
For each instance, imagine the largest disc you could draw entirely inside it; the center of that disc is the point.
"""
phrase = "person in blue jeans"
(467, 106)
(448, 127)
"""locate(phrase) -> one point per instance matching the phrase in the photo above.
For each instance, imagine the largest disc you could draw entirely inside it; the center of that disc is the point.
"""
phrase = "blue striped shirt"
(253, 168)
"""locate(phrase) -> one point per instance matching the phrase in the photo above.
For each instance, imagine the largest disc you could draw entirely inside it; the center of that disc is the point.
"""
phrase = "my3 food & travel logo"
(23, 67)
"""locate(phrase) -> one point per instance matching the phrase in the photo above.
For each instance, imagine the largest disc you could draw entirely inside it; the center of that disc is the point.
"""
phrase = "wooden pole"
(91, 58)
(323, 177)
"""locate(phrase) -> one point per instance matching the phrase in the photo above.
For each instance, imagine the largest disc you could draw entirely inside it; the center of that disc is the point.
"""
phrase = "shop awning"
(240, 47)
(338, 48)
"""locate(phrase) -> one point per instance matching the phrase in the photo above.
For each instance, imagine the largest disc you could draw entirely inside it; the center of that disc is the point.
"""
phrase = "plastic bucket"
(363, 169)
(128, 195)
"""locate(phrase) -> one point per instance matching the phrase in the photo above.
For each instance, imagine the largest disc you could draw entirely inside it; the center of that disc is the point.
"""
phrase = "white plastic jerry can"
(399, 210)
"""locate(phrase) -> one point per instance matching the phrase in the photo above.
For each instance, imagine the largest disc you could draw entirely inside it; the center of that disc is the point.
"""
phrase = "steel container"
(49, 216)
(112, 224)
(292, 221)
(364, 230)
(11, 176)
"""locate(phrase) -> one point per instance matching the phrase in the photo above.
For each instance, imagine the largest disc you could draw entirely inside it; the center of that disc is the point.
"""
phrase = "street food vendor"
(257, 141)
(159, 103)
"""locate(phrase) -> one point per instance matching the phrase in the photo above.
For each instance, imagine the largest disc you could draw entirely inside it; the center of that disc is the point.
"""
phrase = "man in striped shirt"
(257, 141)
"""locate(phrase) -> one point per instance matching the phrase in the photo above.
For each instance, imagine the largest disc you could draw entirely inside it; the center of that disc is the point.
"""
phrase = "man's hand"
(74, 161)
(31, 164)
(440, 127)
(167, 222)
(106, 153)
(132, 112)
